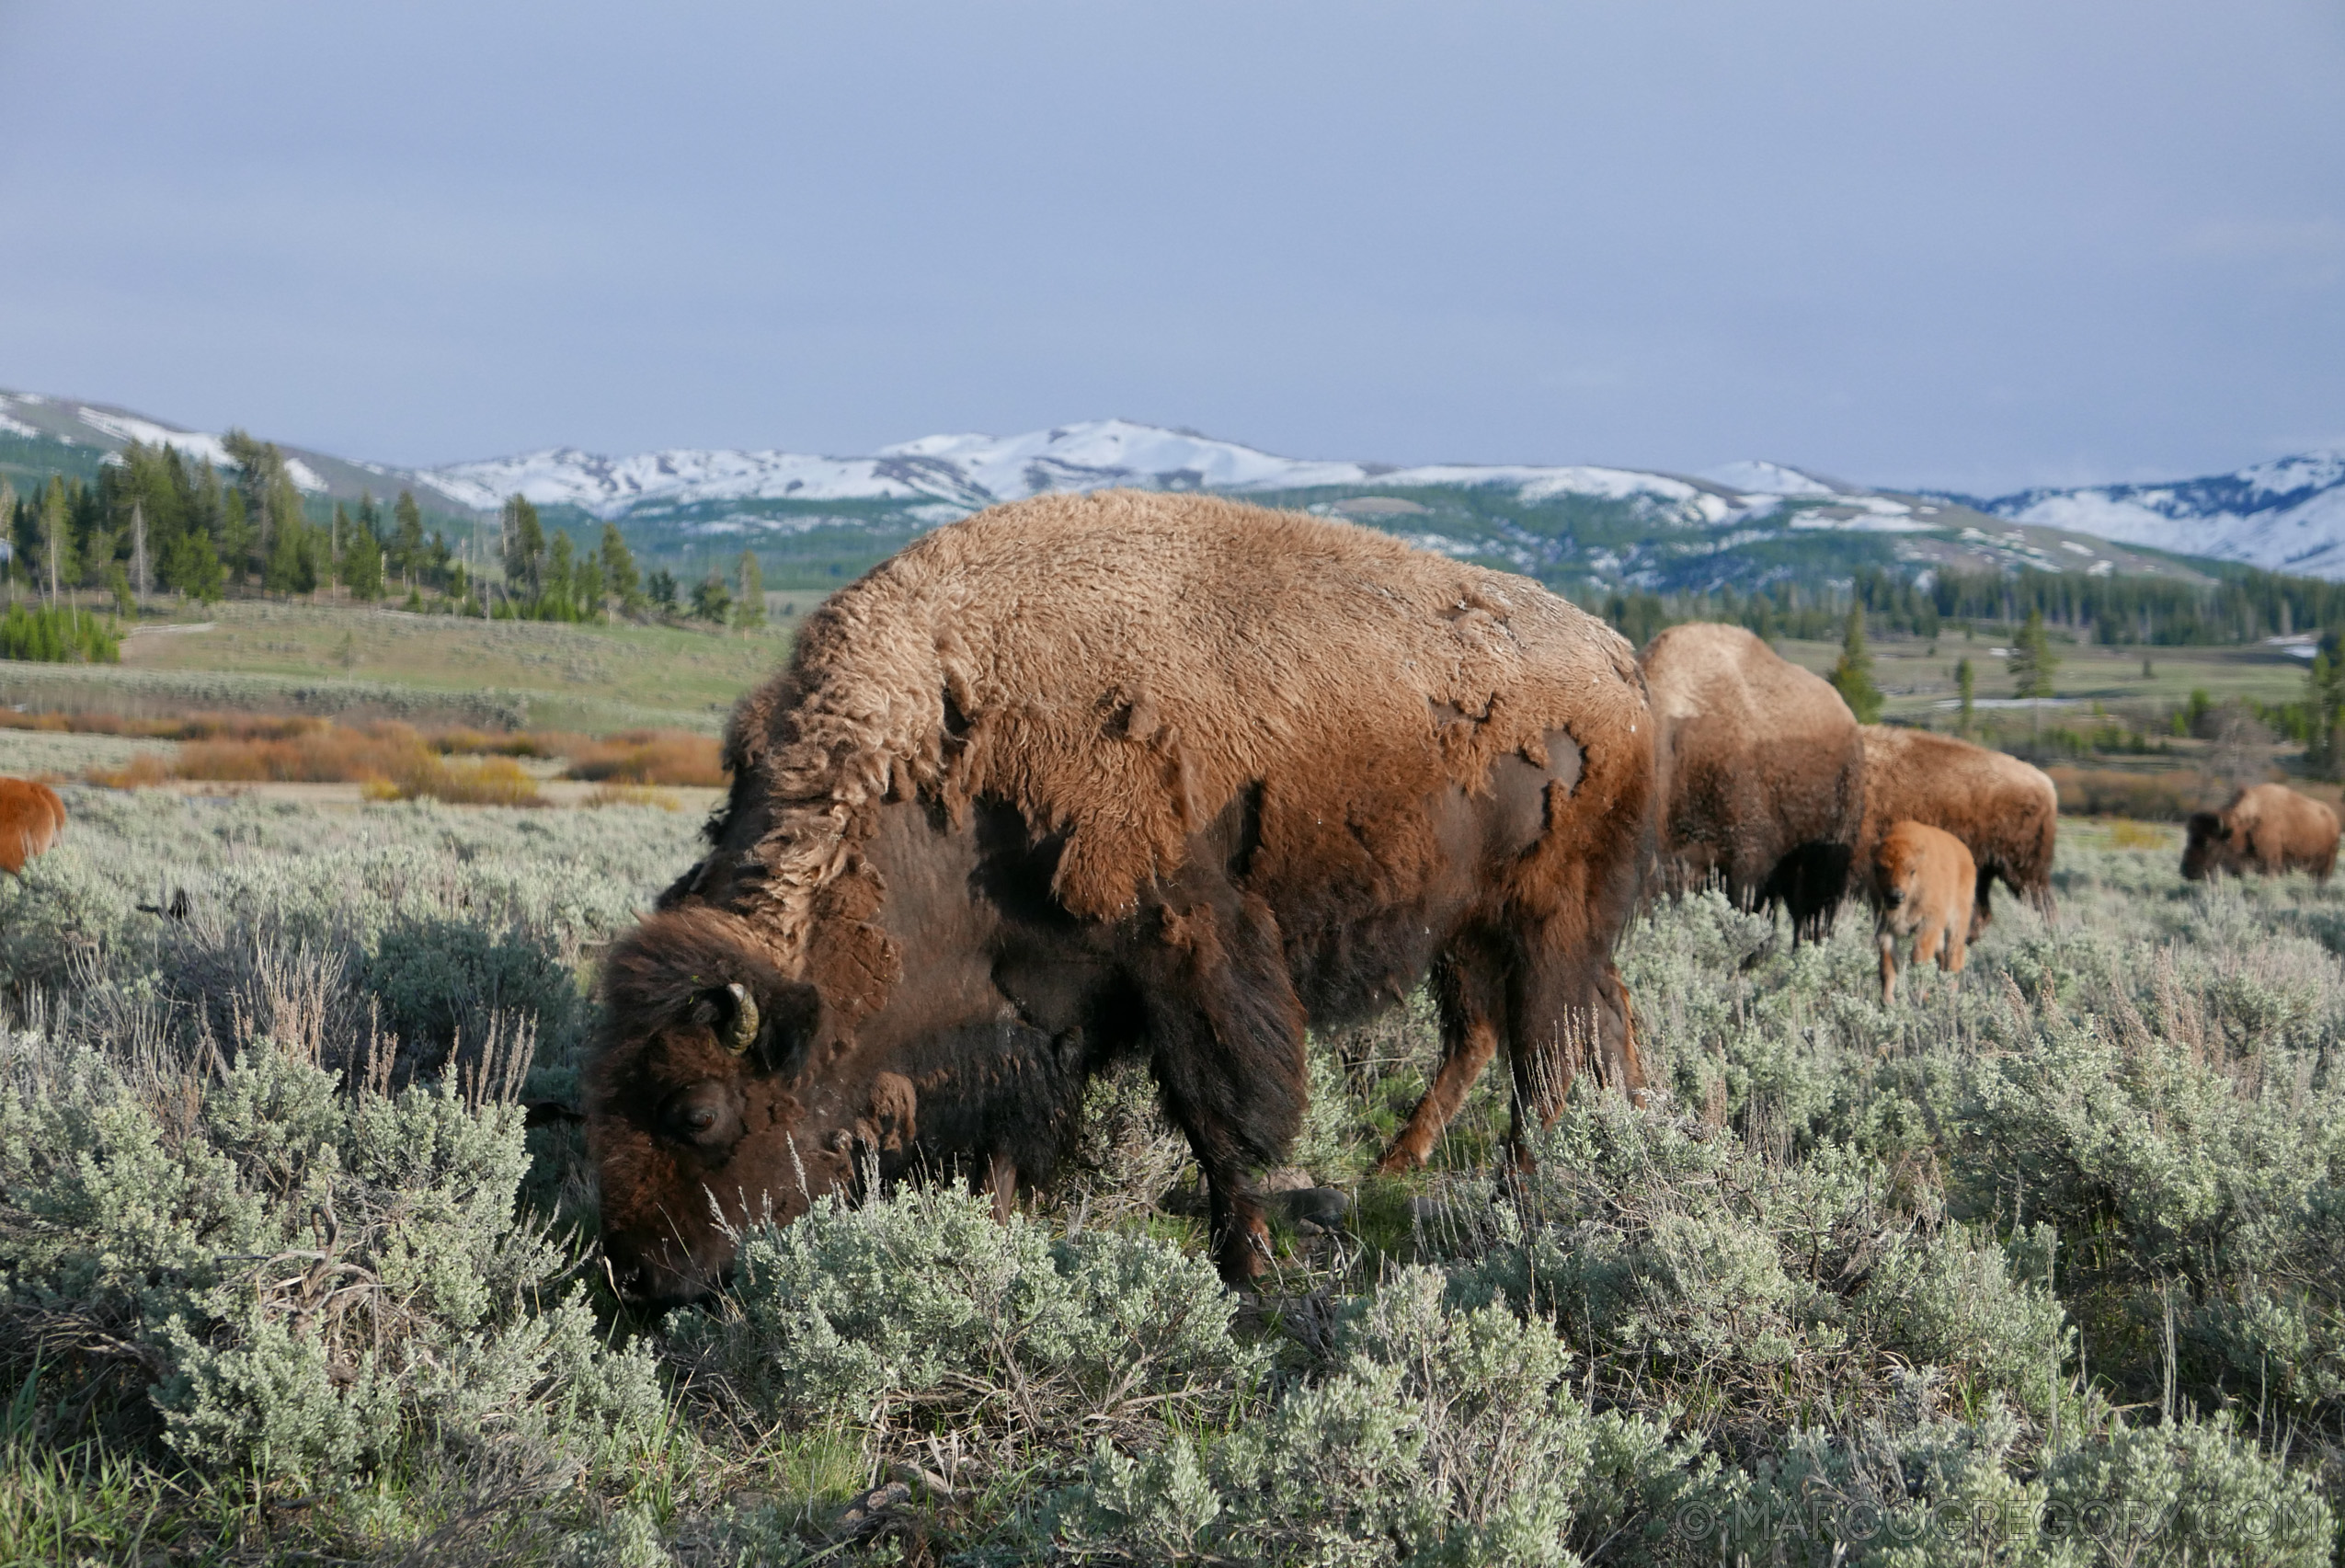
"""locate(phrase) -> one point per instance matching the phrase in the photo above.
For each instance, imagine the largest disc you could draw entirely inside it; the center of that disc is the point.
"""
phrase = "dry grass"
(234, 748)
(490, 781)
(390, 759)
(650, 757)
(633, 795)
(143, 771)
(324, 754)
(2126, 834)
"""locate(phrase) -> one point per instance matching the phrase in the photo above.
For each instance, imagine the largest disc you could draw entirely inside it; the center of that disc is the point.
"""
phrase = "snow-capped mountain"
(1743, 524)
(105, 428)
(972, 471)
(2287, 515)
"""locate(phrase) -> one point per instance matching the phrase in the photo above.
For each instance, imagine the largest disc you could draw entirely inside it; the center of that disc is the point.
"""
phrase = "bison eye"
(706, 1116)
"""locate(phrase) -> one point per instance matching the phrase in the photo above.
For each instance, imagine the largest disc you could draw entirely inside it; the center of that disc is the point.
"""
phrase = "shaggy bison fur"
(2268, 829)
(1926, 880)
(1115, 775)
(30, 819)
(2004, 812)
(1762, 773)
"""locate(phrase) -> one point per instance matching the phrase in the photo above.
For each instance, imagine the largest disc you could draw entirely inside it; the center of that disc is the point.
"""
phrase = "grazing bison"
(2004, 812)
(30, 819)
(1926, 879)
(1118, 775)
(1762, 773)
(2268, 829)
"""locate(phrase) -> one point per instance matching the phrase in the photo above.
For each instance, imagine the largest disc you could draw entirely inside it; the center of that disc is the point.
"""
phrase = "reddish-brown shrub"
(650, 757)
(2106, 792)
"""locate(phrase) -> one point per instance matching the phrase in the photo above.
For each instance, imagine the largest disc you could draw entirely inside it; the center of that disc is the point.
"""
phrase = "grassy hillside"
(256, 654)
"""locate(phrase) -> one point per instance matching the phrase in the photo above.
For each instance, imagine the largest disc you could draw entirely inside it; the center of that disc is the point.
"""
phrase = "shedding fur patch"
(1120, 666)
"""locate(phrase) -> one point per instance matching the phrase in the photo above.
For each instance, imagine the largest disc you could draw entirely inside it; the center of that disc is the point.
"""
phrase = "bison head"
(2204, 851)
(695, 1112)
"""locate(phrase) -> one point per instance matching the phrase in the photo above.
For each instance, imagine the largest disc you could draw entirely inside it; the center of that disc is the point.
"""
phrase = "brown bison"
(1118, 775)
(2004, 812)
(30, 819)
(2269, 828)
(1926, 879)
(1762, 773)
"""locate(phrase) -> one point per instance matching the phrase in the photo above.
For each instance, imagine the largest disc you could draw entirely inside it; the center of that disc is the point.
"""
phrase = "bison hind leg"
(1810, 883)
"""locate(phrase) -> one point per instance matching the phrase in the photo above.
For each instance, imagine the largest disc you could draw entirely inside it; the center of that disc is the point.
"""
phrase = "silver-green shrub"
(918, 1310)
(312, 1281)
(1444, 1435)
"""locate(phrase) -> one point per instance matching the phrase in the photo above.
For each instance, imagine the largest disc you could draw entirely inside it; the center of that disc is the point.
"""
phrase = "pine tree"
(56, 539)
(193, 567)
(1966, 683)
(2325, 695)
(524, 549)
(749, 613)
(557, 605)
(1852, 677)
(237, 541)
(661, 588)
(363, 564)
(2032, 661)
(711, 598)
(587, 577)
(289, 567)
(619, 570)
(291, 564)
(407, 556)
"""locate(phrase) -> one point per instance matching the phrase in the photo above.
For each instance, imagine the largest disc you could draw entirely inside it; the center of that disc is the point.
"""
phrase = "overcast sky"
(1969, 243)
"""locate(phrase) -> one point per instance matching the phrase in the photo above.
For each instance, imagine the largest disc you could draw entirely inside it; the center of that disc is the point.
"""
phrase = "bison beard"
(1094, 777)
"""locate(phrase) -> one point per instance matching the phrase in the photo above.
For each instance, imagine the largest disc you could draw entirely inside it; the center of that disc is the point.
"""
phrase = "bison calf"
(2268, 829)
(1923, 879)
(30, 819)
(2006, 812)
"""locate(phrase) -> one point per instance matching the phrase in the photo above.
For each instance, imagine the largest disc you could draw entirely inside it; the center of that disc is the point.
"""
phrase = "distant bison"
(2006, 813)
(30, 819)
(1924, 880)
(1762, 773)
(2269, 828)
(1117, 775)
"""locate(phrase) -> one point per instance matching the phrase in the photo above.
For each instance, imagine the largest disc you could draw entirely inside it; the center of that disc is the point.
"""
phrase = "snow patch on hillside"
(1759, 478)
(2287, 515)
(146, 432)
(954, 474)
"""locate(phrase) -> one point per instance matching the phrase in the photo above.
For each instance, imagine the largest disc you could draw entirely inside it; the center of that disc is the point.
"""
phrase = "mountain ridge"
(1743, 524)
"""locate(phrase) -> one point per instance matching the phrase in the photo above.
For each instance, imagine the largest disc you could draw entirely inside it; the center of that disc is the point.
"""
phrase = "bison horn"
(744, 1031)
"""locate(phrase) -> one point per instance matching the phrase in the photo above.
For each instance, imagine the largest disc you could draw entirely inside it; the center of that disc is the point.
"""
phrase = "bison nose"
(657, 1278)
(1894, 897)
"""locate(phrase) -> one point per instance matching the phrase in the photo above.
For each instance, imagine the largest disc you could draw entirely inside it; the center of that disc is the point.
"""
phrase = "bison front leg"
(1226, 1046)
(1888, 941)
(1462, 1060)
(1468, 991)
